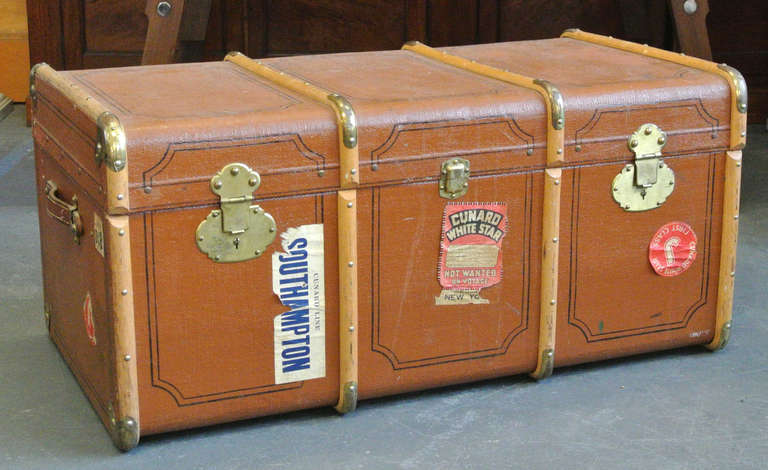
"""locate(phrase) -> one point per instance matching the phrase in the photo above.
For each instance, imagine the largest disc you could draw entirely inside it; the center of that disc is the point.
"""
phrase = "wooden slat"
(348, 368)
(728, 244)
(549, 270)
(162, 33)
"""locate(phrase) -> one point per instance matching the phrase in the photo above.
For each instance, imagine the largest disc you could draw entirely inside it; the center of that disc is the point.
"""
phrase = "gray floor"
(680, 409)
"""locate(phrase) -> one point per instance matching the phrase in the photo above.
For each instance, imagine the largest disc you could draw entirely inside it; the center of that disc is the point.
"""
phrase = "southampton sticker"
(673, 249)
(298, 280)
(470, 251)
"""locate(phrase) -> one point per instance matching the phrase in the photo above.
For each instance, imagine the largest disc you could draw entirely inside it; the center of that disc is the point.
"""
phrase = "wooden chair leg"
(691, 24)
(163, 31)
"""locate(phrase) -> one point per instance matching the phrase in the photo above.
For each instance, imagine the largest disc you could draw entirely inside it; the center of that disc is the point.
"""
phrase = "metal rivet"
(690, 7)
(633, 143)
(351, 327)
(217, 258)
(234, 171)
(559, 151)
(628, 168)
(256, 210)
(257, 252)
(554, 240)
(733, 273)
(560, 122)
(743, 133)
(353, 170)
(127, 357)
(626, 206)
(615, 189)
(736, 217)
(375, 167)
(119, 197)
(253, 182)
(218, 184)
(578, 148)
(661, 140)
(349, 204)
(529, 151)
(272, 229)
(550, 353)
(121, 232)
(727, 325)
(124, 292)
(163, 8)
(658, 203)
(350, 264)
(214, 213)
(552, 302)
(557, 182)
(116, 163)
(321, 173)
(661, 165)
(200, 238)
(148, 189)
(648, 131)
(738, 164)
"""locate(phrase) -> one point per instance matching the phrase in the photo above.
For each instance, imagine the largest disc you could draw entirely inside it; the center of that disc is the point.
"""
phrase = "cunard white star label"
(470, 251)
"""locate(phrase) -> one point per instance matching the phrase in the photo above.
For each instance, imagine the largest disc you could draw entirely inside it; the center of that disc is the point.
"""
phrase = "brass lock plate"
(648, 182)
(454, 178)
(239, 230)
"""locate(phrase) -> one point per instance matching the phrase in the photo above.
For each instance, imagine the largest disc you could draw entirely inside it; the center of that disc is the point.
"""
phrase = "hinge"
(238, 231)
(648, 182)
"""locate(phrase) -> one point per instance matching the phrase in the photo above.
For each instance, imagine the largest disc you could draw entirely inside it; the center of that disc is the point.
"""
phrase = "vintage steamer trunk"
(236, 239)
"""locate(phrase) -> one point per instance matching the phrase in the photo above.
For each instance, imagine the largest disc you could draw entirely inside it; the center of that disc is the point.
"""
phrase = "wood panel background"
(72, 34)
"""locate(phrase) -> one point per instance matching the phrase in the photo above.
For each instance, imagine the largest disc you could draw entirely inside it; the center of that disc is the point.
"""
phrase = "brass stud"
(121, 232)
(253, 182)
(127, 357)
(120, 197)
(124, 292)
(349, 204)
(648, 131)
(234, 171)
(351, 263)
(351, 327)
(559, 151)
(733, 273)
(578, 148)
(148, 189)
(554, 240)
(738, 164)
(557, 182)
(662, 140)
(214, 213)
(321, 173)
(218, 184)
(375, 167)
(257, 252)
(200, 238)
(271, 229)
(736, 217)
(529, 151)
(217, 258)
(560, 122)
(626, 206)
(633, 143)
(353, 171)
(550, 353)
(552, 302)
(743, 133)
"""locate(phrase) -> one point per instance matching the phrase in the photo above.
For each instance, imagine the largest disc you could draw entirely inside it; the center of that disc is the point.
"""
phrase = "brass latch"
(646, 184)
(238, 231)
(454, 178)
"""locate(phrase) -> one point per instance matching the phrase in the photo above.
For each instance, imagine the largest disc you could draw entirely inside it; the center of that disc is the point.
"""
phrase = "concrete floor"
(679, 409)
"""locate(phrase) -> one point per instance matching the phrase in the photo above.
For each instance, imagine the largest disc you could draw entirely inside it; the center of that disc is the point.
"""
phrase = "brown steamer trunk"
(213, 181)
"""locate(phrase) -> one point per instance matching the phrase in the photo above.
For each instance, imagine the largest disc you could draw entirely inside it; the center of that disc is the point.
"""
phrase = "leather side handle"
(63, 211)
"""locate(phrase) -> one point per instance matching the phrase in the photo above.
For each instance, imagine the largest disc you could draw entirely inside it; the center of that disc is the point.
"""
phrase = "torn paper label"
(298, 279)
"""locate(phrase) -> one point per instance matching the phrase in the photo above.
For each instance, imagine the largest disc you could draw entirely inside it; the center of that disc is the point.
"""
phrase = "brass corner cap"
(557, 106)
(32, 76)
(125, 434)
(234, 54)
(348, 402)
(570, 30)
(740, 85)
(411, 44)
(110, 142)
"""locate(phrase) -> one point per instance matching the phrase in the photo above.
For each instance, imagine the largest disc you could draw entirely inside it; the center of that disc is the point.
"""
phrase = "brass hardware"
(124, 432)
(646, 184)
(47, 311)
(238, 231)
(454, 178)
(349, 398)
(110, 142)
(739, 84)
(547, 364)
(557, 108)
(64, 212)
(32, 77)
(725, 335)
(348, 120)
(690, 7)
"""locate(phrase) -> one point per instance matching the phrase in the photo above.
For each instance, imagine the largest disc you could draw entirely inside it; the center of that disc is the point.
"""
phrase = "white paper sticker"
(298, 279)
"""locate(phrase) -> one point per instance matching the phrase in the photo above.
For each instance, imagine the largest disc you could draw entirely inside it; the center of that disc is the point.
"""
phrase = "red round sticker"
(673, 249)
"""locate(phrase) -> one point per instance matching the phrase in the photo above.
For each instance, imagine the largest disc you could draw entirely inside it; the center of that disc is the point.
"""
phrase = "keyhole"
(237, 243)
